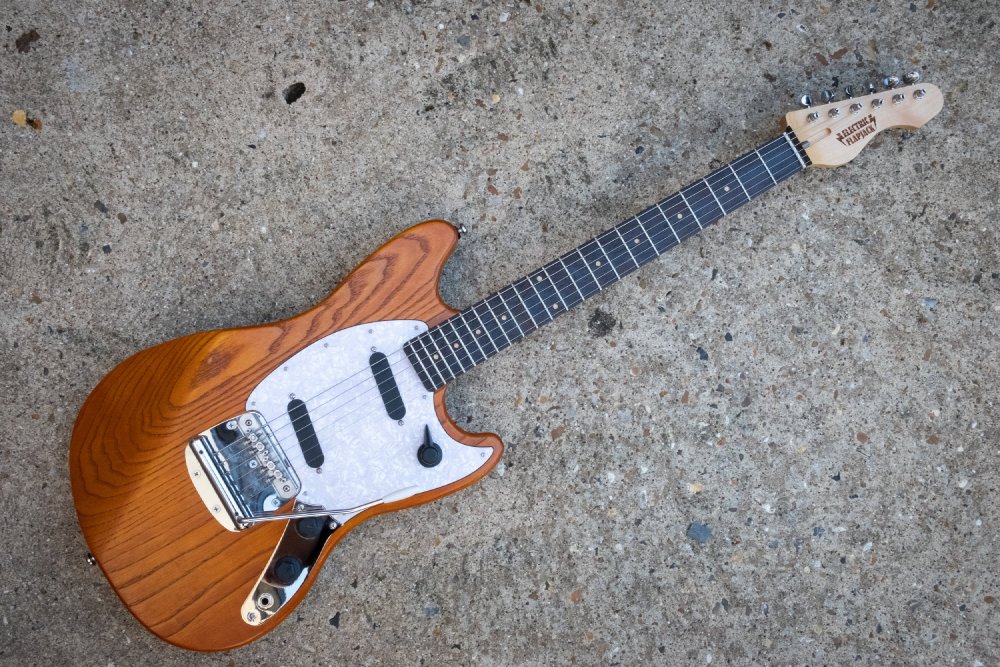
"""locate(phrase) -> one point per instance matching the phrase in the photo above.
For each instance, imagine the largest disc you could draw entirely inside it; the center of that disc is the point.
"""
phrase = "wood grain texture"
(181, 574)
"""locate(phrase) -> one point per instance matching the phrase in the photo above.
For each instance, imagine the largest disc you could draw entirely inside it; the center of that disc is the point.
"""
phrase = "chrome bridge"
(240, 471)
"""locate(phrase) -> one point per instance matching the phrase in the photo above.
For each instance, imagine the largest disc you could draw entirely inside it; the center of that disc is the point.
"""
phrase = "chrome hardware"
(870, 88)
(890, 82)
(849, 91)
(806, 101)
(813, 117)
(828, 96)
(240, 473)
(876, 103)
(90, 559)
(834, 112)
(919, 93)
(911, 77)
(395, 496)
(855, 108)
(898, 98)
(462, 230)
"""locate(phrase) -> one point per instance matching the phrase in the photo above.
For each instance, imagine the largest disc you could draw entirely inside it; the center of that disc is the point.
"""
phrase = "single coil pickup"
(387, 387)
(304, 431)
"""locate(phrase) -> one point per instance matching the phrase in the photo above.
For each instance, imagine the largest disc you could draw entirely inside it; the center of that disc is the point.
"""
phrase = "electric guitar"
(213, 474)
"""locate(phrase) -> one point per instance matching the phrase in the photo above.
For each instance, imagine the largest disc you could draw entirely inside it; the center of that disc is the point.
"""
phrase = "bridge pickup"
(306, 434)
(382, 370)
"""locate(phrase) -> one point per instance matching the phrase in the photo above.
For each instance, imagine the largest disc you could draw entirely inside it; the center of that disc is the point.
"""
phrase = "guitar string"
(756, 178)
(621, 255)
(753, 181)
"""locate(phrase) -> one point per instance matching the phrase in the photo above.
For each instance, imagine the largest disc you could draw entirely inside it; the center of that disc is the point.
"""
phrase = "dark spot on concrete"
(702, 354)
(84, 247)
(601, 323)
(818, 532)
(464, 40)
(699, 532)
(715, 272)
(25, 41)
(729, 337)
(836, 477)
(294, 92)
(106, 248)
(254, 146)
(431, 612)
(639, 150)
(335, 620)
(99, 205)
(122, 218)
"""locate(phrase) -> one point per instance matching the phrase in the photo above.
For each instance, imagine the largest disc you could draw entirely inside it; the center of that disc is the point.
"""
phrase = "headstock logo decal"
(858, 131)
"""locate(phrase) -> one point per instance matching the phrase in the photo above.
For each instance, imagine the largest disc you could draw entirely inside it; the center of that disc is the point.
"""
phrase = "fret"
(765, 166)
(586, 278)
(429, 355)
(753, 174)
(730, 165)
(504, 318)
(728, 193)
(468, 338)
(617, 252)
(706, 209)
(709, 188)
(555, 288)
(481, 330)
(525, 289)
(673, 231)
(634, 237)
(451, 360)
(598, 260)
(695, 215)
(418, 365)
(565, 283)
(523, 319)
(464, 333)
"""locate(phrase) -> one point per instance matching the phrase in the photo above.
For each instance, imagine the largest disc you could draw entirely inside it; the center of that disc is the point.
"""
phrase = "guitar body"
(179, 570)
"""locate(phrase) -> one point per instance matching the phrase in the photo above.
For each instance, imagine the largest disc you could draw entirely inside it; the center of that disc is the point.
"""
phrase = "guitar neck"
(468, 338)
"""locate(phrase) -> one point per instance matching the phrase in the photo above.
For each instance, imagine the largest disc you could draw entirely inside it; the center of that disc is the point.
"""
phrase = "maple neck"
(468, 338)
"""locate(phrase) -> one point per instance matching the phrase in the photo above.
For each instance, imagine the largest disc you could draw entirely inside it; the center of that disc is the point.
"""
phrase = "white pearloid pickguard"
(367, 454)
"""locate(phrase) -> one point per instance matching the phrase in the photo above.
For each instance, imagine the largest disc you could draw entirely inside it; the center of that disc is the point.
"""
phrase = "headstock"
(834, 133)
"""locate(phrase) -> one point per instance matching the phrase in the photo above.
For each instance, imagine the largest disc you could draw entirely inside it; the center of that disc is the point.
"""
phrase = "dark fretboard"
(468, 338)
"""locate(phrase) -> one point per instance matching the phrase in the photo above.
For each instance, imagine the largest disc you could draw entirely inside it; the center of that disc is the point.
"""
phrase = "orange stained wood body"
(173, 565)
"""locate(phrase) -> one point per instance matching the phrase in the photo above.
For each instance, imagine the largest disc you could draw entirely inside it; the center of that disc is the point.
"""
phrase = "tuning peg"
(890, 82)
(870, 88)
(806, 101)
(828, 96)
(911, 77)
(849, 91)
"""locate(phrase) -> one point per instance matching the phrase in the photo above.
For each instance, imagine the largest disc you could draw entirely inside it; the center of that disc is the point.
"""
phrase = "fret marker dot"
(538, 279)
(680, 216)
(503, 317)
(725, 189)
(555, 306)
(479, 331)
(636, 242)
(436, 357)
(597, 263)
(455, 345)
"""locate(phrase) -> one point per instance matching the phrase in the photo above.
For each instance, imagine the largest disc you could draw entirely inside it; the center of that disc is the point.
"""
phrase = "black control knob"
(287, 569)
(310, 527)
(429, 454)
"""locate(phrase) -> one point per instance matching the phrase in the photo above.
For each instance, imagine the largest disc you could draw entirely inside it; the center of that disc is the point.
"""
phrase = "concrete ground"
(778, 444)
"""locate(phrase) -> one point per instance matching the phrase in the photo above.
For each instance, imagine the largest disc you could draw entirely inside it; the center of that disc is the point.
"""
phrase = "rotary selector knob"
(429, 454)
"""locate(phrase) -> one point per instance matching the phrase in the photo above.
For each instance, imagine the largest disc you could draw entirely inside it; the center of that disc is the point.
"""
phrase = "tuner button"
(834, 112)
(828, 96)
(919, 93)
(870, 88)
(911, 77)
(898, 98)
(855, 108)
(813, 117)
(849, 91)
(806, 101)
(890, 81)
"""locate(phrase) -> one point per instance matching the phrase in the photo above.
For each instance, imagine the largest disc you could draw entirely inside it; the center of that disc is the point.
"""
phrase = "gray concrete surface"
(821, 489)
